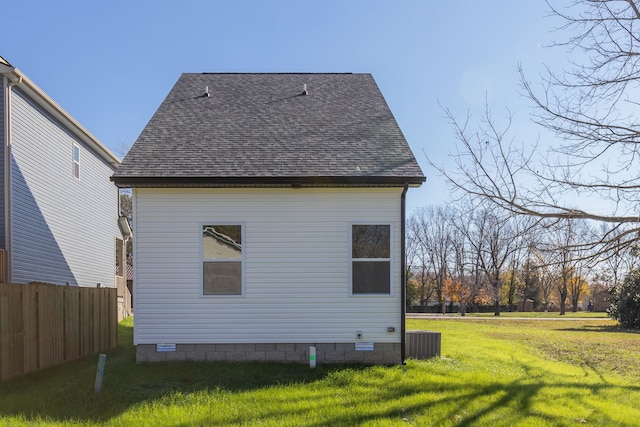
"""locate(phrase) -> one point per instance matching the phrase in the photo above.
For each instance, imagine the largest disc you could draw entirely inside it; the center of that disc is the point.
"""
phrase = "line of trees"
(474, 257)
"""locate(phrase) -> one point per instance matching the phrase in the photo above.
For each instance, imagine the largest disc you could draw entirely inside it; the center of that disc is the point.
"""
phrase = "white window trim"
(391, 258)
(75, 147)
(242, 260)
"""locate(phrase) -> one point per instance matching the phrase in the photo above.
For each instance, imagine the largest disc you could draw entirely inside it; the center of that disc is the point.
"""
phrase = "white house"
(269, 212)
(58, 208)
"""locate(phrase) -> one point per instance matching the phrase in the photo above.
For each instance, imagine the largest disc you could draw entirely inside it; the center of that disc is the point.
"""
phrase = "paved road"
(432, 316)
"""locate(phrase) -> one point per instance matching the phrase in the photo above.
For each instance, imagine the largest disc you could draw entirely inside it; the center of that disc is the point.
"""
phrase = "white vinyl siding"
(3, 106)
(63, 229)
(296, 249)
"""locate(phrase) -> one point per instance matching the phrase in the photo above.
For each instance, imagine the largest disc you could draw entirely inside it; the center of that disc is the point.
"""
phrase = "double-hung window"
(76, 161)
(371, 259)
(222, 259)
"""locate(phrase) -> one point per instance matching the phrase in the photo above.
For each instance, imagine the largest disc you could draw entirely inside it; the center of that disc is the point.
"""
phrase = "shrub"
(625, 301)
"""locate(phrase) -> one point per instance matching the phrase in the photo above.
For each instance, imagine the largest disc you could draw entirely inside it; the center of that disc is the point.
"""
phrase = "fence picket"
(29, 319)
(5, 356)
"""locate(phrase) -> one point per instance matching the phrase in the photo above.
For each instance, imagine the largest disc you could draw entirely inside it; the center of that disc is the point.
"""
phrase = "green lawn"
(512, 372)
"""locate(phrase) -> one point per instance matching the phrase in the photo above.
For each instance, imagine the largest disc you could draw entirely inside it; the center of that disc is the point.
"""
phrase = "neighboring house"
(58, 209)
(269, 212)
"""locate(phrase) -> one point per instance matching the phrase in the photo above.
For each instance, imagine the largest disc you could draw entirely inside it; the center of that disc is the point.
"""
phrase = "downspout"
(8, 239)
(403, 273)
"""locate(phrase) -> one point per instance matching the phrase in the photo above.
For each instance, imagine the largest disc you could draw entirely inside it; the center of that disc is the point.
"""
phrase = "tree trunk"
(496, 296)
(563, 303)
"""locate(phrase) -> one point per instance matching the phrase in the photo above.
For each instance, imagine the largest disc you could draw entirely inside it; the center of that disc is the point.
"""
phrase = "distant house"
(58, 208)
(269, 212)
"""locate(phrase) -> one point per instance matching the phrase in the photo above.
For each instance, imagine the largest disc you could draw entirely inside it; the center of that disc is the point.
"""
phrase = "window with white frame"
(371, 259)
(222, 259)
(76, 161)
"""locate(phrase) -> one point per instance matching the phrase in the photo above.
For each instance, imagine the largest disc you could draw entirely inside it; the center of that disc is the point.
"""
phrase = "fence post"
(100, 373)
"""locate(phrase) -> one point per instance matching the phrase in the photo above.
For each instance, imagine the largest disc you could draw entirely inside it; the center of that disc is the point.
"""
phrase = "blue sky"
(110, 64)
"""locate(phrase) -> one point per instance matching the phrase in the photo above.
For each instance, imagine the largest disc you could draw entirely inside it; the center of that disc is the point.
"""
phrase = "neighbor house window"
(371, 259)
(222, 259)
(76, 161)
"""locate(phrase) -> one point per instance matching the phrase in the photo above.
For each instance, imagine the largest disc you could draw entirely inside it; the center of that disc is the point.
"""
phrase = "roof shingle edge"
(316, 181)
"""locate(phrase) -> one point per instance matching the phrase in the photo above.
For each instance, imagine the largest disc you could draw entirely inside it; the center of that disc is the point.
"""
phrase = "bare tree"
(122, 148)
(577, 288)
(418, 258)
(530, 282)
(126, 202)
(564, 274)
(493, 239)
(518, 277)
(567, 255)
(591, 110)
(616, 263)
(412, 248)
(582, 256)
(436, 229)
(546, 276)
(466, 270)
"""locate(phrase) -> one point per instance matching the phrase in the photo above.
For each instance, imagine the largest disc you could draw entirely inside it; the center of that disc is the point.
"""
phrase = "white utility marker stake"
(100, 373)
(312, 357)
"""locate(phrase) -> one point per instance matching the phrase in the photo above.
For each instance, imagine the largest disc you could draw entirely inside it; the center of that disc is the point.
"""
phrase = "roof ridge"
(276, 72)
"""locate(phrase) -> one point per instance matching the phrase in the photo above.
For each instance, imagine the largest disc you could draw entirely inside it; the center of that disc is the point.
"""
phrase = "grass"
(513, 372)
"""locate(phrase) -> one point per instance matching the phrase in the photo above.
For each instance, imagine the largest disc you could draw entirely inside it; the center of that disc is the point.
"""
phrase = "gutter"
(8, 241)
(8, 220)
(123, 181)
(403, 273)
(17, 78)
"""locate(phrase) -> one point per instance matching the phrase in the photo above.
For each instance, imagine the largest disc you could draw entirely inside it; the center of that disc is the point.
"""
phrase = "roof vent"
(304, 89)
(206, 92)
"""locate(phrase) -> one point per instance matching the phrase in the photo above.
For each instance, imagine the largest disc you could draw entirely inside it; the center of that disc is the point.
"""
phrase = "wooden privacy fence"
(45, 325)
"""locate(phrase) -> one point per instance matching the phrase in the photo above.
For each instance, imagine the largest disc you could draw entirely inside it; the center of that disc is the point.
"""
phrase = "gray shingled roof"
(260, 129)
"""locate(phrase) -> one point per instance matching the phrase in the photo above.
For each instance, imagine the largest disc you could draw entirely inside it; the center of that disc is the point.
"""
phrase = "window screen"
(371, 259)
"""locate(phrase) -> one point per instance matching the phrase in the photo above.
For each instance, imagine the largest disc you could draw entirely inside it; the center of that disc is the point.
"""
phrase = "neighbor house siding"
(297, 266)
(63, 228)
(3, 82)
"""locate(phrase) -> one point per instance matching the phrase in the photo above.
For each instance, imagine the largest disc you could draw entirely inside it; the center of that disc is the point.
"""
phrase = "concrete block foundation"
(382, 353)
